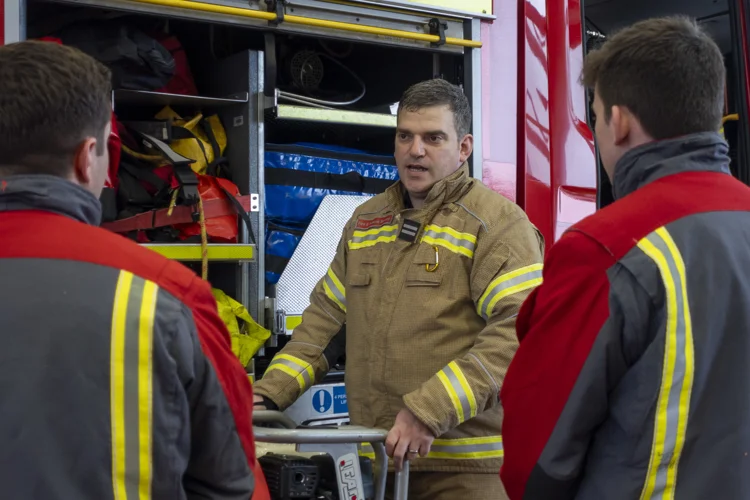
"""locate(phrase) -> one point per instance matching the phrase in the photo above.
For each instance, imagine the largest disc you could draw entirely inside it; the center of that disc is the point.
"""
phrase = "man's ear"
(466, 147)
(620, 123)
(84, 161)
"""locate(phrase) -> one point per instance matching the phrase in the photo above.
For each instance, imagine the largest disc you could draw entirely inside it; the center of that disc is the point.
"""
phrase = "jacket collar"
(51, 194)
(447, 190)
(702, 152)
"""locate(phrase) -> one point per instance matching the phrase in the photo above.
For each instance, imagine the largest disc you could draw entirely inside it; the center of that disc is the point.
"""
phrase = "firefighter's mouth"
(416, 168)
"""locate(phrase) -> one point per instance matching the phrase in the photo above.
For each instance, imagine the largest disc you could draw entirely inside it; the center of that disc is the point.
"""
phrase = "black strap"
(290, 230)
(276, 263)
(211, 137)
(187, 178)
(183, 133)
(241, 212)
(350, 181)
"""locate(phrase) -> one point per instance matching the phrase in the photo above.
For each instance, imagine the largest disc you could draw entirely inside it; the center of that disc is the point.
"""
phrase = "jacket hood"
(51, 194)
(702, 152)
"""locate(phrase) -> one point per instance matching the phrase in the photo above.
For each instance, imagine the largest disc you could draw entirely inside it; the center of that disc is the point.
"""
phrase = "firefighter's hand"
(258, 403)
(408, 437)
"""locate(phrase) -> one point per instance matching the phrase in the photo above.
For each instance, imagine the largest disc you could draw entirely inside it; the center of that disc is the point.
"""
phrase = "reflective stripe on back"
(131, 364)
(673, 405)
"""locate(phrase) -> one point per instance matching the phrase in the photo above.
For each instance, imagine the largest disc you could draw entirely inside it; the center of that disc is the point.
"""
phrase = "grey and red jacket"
(117, 380)
(632, 380)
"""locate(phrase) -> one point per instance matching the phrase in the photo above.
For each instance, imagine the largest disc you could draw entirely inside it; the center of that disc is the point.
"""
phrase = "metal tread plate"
(315, 252)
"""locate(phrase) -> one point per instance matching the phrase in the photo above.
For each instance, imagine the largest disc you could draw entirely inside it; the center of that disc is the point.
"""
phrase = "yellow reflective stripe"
(447, 237)
(371, 237)
(359, 233)
(334, 289)
(117, 383)
(506, 285)
(673, 405)
(456, 449)
(459, 391)
(131, 386)
(295, 367)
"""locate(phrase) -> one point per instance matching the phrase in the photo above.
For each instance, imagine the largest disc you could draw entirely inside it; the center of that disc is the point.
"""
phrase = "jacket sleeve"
(507, 266)
(578, 332)
(303, 359)
(218, 397)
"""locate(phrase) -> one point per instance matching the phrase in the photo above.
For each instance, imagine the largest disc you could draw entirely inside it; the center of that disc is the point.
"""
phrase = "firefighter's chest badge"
(409, 230)
(378, 222)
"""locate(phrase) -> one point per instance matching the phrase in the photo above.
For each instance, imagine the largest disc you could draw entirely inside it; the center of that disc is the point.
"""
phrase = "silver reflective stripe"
(131, 381)
(458, 449)
(298, 368)
(504, 286)
(431, 233)
(366, 237)
(459, 392)
(131, 387)
(467, 448)
(335, 289)
(673, 405)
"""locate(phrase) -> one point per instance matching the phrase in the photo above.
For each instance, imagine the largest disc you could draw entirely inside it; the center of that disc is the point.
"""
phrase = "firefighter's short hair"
(439, 92)
(52, 97)
(667, 71)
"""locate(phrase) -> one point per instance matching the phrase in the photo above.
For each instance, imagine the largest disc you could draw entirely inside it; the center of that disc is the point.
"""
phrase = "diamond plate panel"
(315, 252)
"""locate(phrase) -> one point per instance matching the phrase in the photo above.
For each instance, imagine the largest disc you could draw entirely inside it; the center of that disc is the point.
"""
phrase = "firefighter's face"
(428, 148)
(91, 162)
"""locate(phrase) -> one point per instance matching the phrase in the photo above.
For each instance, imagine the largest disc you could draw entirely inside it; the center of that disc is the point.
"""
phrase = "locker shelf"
(143, 97)
(217, 252)
(340, 116)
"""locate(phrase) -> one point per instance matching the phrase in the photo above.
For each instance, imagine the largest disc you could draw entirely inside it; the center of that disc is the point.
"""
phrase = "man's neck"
(416, 202)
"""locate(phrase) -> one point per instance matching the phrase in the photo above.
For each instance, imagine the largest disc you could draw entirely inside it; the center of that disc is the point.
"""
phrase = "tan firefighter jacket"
(430, 317)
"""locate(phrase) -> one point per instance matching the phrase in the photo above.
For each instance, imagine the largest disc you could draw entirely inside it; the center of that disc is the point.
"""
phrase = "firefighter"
(631, 377)
(428, 278)
(117, 379)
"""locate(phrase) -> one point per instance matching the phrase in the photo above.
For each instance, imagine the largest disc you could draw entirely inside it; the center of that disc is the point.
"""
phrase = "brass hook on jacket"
(437, 262)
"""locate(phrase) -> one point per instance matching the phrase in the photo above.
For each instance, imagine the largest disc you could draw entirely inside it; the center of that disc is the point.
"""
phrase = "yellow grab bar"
(308, 21)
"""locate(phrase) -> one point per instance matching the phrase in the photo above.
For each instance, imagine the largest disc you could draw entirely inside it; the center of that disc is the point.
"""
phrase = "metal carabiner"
(437, 262)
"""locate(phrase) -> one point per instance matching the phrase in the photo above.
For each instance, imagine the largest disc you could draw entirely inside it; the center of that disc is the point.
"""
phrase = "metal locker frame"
(321, 18)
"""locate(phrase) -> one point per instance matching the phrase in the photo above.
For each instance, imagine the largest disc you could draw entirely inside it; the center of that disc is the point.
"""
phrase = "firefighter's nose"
(417, 148)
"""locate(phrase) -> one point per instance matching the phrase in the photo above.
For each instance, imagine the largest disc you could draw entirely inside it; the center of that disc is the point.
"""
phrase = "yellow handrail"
(733, 117)
(308, 21)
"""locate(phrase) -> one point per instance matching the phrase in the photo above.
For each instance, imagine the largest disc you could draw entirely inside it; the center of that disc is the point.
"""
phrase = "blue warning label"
(322, 401)
(339, 400)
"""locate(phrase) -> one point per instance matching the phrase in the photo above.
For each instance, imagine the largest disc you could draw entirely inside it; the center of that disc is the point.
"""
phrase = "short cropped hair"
(667, 71)
(439, 92)
(52, 98)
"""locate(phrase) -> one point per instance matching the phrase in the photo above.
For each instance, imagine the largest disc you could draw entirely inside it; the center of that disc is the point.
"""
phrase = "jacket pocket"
(358, 279)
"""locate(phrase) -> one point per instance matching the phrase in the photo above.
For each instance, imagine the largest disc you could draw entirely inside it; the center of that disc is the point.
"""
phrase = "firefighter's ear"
(465, 147)
(620, 123)
(85, 161)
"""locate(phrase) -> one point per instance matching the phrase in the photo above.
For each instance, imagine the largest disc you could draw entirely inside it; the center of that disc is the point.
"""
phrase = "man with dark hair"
(631, 376)
(117, 375)
(428, 278)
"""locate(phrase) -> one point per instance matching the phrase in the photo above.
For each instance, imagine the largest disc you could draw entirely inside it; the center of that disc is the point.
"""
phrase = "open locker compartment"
(240, 72)
(227, 95)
